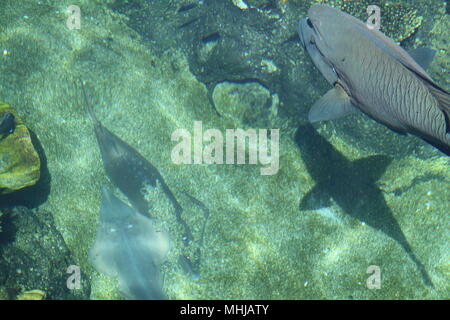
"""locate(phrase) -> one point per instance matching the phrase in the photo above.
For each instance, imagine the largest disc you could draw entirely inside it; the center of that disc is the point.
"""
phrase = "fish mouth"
(313, 43)
(308, 34)
(301, 26)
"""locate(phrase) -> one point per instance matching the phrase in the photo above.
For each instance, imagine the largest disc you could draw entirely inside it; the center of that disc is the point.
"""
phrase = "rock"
(240, 4)
(225, 43)
(34, 258)
(31, 295)
(19, 161)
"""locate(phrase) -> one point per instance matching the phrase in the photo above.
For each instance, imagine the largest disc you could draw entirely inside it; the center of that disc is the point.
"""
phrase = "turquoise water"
(309, 231)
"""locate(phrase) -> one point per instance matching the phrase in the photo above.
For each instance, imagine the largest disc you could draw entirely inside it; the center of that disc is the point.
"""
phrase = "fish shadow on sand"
(352, 185)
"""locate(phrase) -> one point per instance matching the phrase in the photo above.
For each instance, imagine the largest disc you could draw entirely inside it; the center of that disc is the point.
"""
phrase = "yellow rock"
(19, 161)
(31, 295)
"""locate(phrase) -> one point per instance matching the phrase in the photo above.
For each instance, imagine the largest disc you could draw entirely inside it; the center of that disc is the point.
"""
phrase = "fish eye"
(309, 23)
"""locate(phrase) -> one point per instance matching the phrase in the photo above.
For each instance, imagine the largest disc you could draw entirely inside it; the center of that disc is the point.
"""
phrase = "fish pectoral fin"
(101, 256)
(334, 104)
(423, 56)
(161, 246)
(151, 240)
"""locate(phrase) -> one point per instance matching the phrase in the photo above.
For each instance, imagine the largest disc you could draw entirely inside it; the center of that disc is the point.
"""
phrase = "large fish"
(129, 247)
(370, 72)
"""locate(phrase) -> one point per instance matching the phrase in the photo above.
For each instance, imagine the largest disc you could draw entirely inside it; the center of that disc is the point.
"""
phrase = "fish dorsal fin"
(334, 104)
(388, 46)
(423, 56)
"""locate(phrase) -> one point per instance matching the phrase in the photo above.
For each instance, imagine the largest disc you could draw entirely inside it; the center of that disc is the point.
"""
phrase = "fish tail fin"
(89, 107)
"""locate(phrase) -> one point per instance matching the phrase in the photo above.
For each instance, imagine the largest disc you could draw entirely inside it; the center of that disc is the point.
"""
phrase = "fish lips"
(308, 33)
(311, 38)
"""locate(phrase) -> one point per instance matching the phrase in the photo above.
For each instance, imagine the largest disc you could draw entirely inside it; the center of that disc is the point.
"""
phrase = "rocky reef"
(34, 258)
(19, 161)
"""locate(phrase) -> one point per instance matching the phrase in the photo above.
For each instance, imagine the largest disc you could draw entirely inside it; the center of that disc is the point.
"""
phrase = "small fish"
(7, 124)
(370, 72)
(129, 247)
(130, 171)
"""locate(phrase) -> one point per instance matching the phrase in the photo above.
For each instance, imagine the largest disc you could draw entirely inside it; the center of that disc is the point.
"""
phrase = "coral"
(399, 20)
